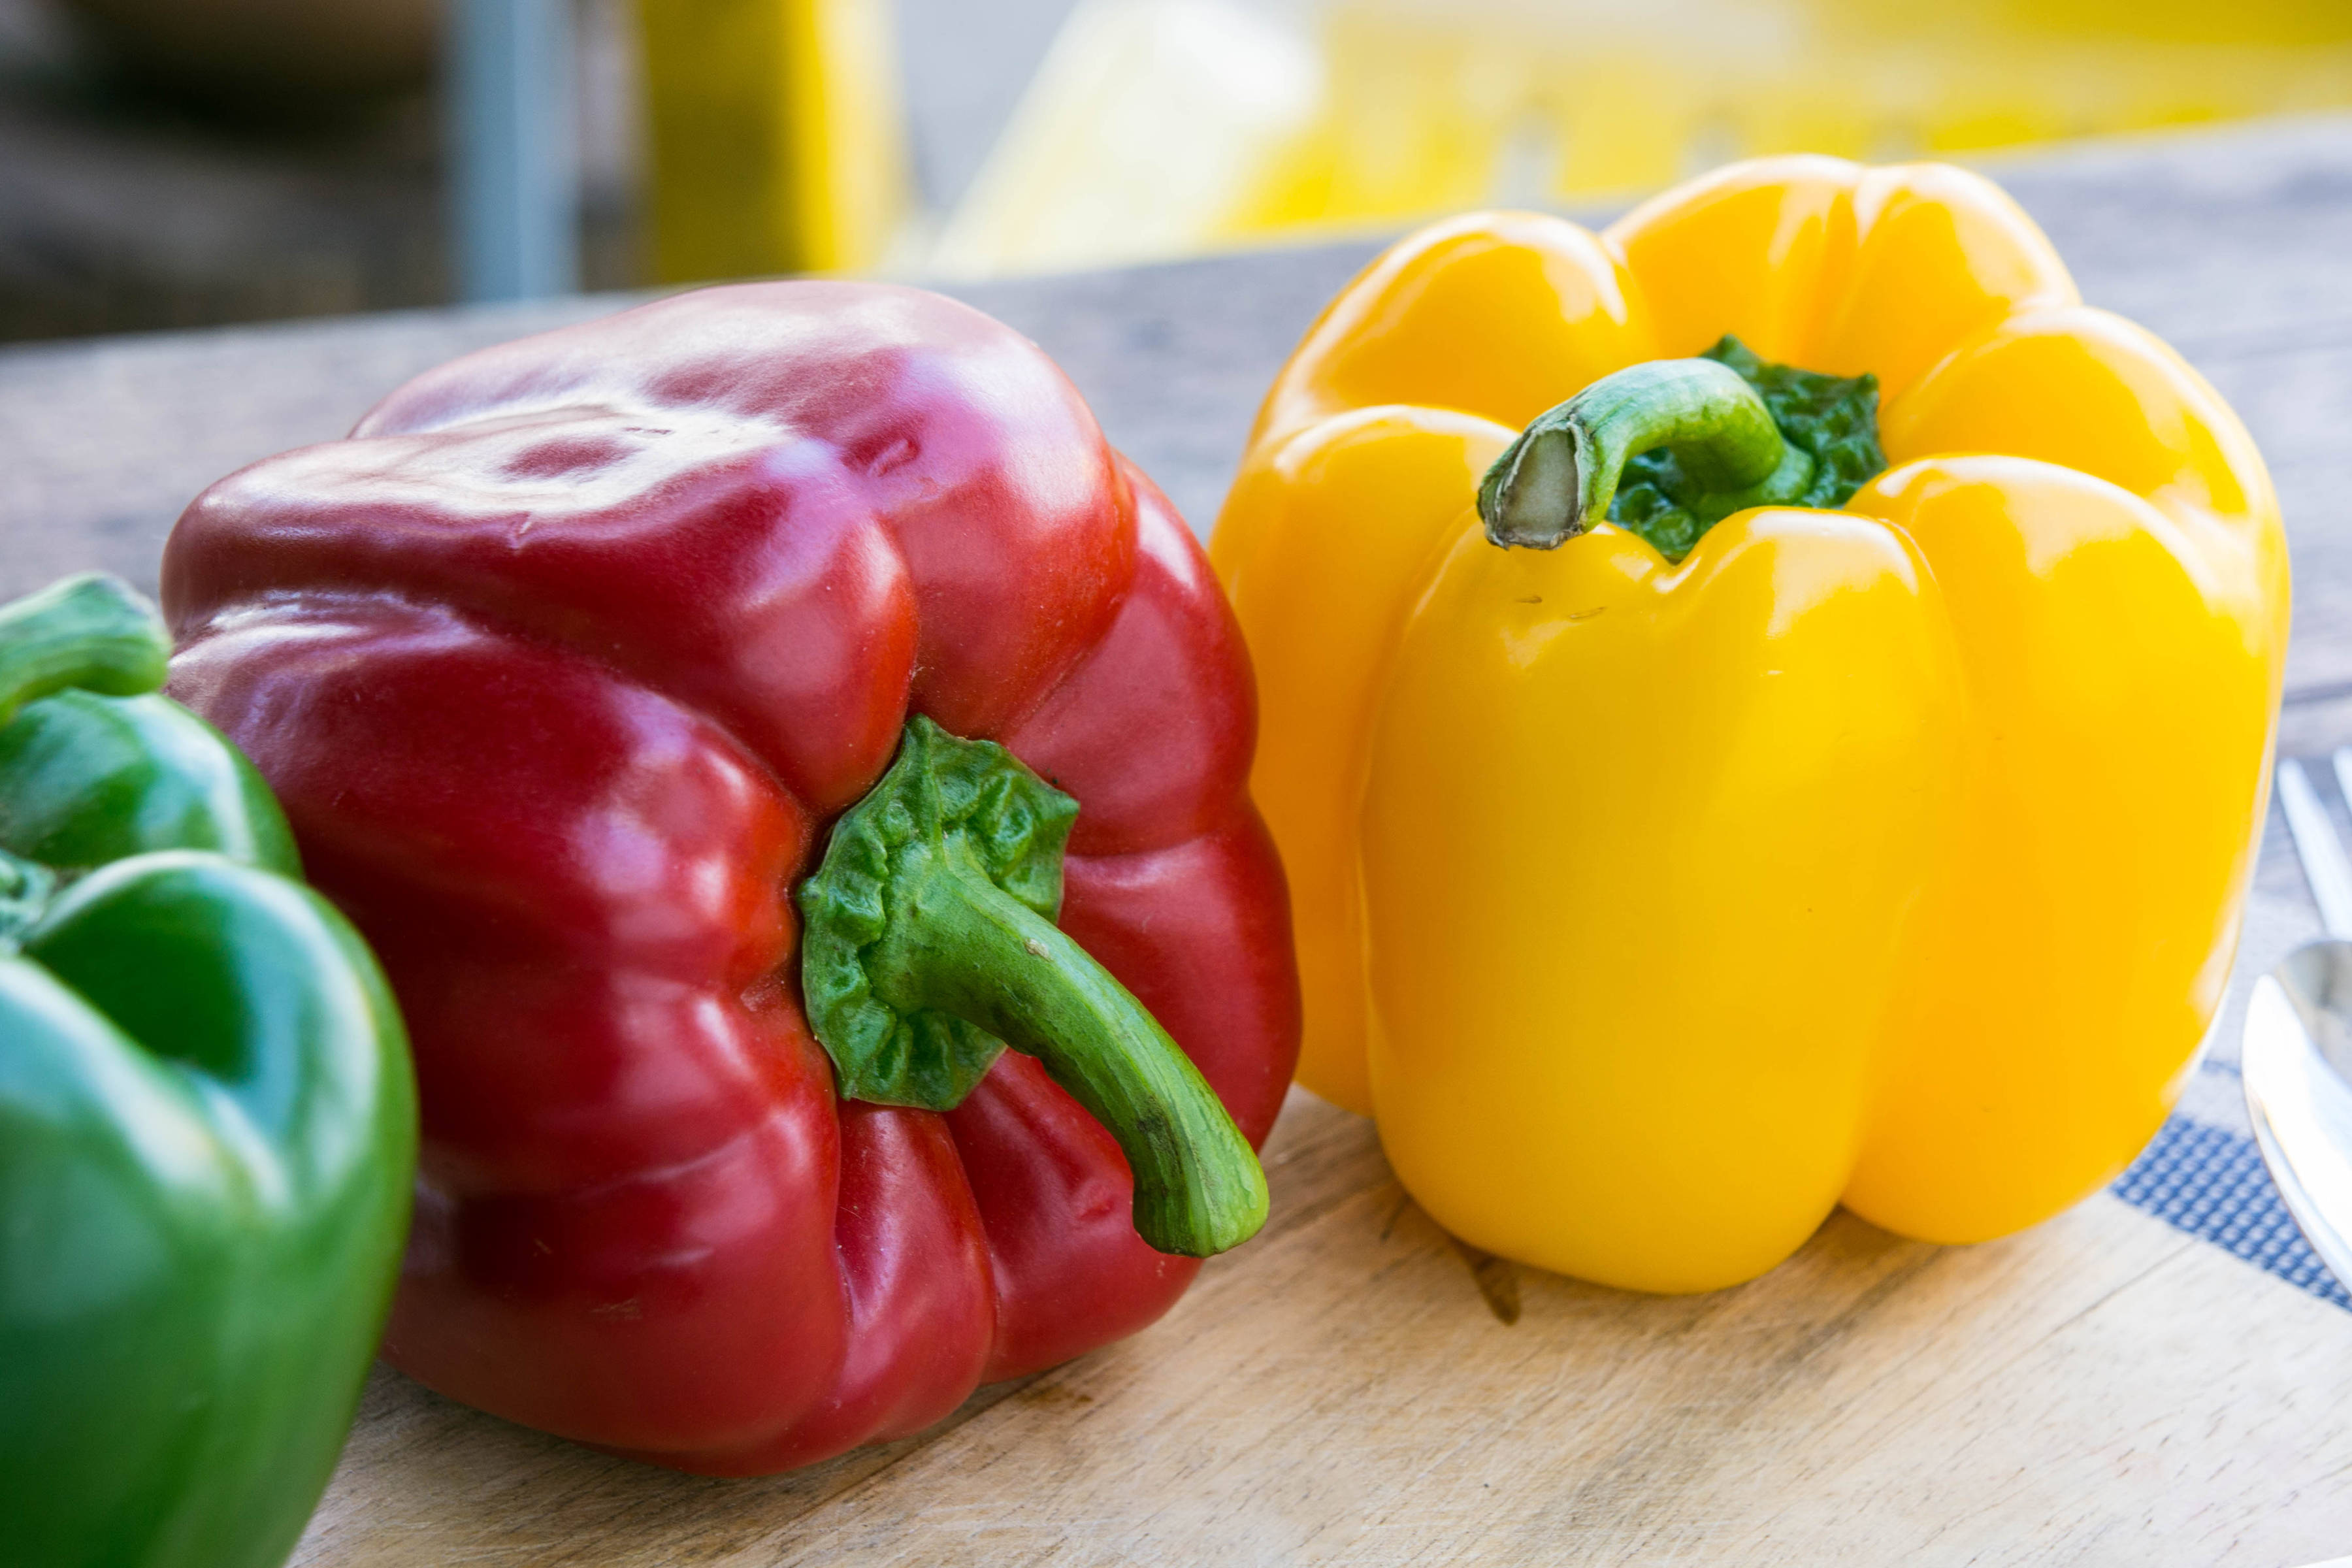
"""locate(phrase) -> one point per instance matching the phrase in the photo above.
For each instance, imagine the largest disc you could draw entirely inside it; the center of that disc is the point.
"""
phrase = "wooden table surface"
(2105, 1389)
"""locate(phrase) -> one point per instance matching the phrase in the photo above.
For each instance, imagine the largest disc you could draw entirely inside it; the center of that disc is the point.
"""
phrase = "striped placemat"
(2203, 1172)
(2210, 1182)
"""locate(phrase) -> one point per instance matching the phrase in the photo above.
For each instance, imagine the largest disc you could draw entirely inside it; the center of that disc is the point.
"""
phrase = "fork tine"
(2315, 844)
(2342, 759)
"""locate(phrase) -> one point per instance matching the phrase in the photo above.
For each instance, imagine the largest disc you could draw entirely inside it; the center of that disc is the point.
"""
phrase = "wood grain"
(2102, 1390)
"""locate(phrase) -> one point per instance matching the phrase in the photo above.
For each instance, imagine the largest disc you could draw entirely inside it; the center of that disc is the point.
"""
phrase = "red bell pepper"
(568, 663)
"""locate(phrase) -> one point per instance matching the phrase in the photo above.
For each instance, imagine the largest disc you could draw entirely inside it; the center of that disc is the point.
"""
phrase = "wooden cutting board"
(2101, 1390)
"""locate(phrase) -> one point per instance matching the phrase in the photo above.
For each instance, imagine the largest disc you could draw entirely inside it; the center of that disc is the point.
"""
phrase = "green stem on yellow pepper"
(1558, 478)
(1668, 449)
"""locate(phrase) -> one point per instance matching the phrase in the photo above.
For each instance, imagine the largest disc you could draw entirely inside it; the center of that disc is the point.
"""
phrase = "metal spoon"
(2297, 1049)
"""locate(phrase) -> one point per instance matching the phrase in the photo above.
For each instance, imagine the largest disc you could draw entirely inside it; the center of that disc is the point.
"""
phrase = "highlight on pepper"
(1765, 706)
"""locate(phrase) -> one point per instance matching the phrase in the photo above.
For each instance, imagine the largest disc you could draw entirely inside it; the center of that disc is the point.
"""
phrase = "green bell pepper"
(207, 1122)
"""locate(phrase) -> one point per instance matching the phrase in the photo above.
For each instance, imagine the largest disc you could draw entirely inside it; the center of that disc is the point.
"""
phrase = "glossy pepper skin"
(1890, 855)
(565, 664)
(207, 1127)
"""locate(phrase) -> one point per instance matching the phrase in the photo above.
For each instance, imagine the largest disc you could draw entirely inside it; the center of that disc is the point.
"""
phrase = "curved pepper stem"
(931, 945)
(1561, 475)
(26, 889)
(93, 632)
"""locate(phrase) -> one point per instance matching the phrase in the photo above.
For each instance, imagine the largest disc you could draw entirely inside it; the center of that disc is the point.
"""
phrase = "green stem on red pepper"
(1669, 448)
(931, 945)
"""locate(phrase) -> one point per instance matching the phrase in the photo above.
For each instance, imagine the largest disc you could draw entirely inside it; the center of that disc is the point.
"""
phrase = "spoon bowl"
(2297, 1052)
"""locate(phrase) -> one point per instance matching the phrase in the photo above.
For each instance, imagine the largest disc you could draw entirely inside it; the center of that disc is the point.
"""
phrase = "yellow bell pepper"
(1890, 855)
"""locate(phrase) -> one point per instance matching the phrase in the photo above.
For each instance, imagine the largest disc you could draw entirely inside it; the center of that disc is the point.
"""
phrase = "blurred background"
(182, 162)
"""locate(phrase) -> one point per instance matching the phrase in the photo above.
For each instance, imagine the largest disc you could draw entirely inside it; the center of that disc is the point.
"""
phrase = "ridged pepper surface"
(1833, 771)
(207, 1127)
(572, 664)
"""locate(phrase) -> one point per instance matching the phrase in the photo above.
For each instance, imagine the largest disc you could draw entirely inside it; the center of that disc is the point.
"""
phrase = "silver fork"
(2298, 1036)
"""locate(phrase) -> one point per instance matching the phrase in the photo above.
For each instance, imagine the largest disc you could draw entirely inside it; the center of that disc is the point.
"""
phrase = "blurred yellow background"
(1163, 127)
(777, 136)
